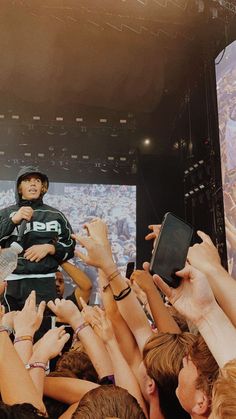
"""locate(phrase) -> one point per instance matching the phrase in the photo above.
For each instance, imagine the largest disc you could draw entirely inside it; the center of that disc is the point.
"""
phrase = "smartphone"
(171, 248)
(129, 269)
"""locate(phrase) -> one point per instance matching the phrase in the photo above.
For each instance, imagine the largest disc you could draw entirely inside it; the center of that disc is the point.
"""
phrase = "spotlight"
(147, 141)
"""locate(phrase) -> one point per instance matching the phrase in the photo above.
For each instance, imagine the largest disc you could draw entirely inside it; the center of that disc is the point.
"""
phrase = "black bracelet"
(122, 294)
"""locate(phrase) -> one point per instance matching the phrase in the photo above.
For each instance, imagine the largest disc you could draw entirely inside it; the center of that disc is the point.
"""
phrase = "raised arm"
(123, 374)
(162, 318)
(124, 336)
(83, 282)
(16, 384)
(205, 257)
(195, 300)
(100, 255)
(26, 322)
(67, 312)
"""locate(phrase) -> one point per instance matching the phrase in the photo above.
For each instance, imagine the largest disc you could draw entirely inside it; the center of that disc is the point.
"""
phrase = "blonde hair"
(224, 393)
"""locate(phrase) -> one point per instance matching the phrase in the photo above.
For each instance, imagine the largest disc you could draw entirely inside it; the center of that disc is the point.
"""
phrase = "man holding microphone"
(44, 234)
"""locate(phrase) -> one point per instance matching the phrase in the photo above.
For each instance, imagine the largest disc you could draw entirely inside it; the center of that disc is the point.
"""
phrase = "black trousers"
(18, 291)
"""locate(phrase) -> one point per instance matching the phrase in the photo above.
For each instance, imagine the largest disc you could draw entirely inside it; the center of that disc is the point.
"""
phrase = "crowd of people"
(132, 354)
(135, 356)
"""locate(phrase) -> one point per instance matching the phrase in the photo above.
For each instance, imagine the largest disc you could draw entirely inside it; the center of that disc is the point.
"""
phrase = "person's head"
(55, 408)
(196, 379)
(79, 364)
(19, 411)
(60, 284)
(224, 393)
(108, 401)
(31, 183)
(163, 355)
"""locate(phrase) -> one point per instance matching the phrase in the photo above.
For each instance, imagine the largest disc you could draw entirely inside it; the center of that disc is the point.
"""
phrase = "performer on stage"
(42, 231)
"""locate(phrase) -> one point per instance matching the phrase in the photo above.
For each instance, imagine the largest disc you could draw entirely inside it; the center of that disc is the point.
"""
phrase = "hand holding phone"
(171, 248)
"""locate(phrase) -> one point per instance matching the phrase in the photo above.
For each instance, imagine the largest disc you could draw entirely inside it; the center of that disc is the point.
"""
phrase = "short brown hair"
(224, 392)
(206, 365)
(163, 357)
(79, 364)
(108, 401)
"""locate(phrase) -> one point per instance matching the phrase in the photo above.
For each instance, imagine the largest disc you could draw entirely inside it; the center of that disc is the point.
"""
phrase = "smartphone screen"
(129, 269)
(171, 249)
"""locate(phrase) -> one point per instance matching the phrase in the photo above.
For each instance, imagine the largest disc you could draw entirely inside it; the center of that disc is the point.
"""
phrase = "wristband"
(123, 294)
(77, 330)
(22, 338)
(5, 329)
(110, 278)
(36, 365)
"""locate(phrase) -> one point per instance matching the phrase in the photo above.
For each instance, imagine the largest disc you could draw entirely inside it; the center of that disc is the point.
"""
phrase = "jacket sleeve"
(65, 245)
(6, 226)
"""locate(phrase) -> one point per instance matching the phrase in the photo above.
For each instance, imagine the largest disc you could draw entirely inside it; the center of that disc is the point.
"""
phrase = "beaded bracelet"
(110, 278)
(36, 365)
(23, 338)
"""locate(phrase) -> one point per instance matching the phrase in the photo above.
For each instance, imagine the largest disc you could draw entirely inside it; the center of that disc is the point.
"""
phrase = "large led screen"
(116, 204)
(226, 96)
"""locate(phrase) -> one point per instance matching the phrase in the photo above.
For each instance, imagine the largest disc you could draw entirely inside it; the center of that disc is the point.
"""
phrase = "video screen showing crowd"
(226, 93)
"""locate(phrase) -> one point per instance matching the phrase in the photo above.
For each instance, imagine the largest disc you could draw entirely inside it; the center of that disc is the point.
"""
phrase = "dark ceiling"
(127, 58)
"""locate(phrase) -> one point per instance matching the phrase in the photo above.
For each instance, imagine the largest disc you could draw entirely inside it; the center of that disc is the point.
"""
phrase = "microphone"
(21, 231)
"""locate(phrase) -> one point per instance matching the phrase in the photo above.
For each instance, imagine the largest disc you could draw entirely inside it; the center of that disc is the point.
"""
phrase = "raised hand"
(97, 245)
(65, 310)
(51, 344)
(143, 278)
(193, 298)
(205, 255)
(155, 231)
(29, 319)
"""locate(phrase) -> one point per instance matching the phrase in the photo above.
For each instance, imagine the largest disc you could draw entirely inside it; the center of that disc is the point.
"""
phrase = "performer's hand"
(37, 252)
(24, 213)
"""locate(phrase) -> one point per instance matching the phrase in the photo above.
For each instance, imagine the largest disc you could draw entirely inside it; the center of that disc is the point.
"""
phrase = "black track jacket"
(48, 225)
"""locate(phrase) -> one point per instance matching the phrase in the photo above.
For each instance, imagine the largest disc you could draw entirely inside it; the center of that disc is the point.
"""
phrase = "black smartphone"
(129, 269)
(171, 248)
